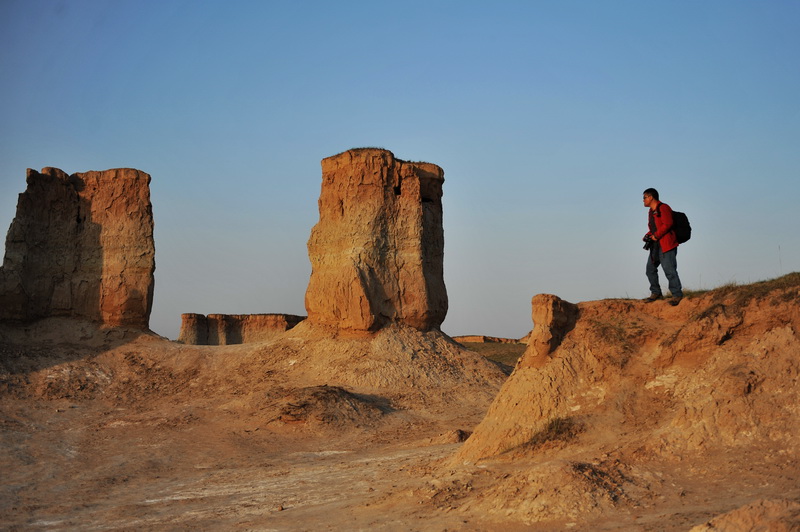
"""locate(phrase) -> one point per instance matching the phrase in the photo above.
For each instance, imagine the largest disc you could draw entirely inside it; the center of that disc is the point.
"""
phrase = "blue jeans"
(669, 263)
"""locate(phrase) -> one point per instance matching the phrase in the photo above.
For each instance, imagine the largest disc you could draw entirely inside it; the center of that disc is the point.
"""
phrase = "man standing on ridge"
(662, 243)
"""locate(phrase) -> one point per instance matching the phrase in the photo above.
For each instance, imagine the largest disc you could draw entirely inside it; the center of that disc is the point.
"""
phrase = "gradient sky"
(549, 119)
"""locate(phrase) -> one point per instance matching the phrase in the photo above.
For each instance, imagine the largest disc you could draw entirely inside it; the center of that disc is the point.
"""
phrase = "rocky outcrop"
(377, 251)
(553, 318)
(82, 246)
(225, 329)
(726, 364)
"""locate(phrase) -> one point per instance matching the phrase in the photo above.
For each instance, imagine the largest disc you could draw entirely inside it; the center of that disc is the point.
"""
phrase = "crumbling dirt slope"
(643, 417)
(642, 406)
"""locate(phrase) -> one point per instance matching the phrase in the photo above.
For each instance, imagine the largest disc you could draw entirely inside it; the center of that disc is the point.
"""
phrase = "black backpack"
(680, 225)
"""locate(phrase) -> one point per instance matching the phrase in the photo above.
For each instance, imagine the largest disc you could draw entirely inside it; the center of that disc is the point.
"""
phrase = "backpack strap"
(671, 229)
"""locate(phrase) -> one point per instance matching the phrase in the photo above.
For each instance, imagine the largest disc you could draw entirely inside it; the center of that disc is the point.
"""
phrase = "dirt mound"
(768, 516)
(419, 370)
(558, 490)
(398, 366)
(318, 407)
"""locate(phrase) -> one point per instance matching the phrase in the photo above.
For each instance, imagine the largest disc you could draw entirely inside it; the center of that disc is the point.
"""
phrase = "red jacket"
(662, 217)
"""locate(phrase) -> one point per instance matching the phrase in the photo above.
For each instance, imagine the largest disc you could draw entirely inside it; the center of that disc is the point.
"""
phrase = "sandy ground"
(123, 433)
(89, 466)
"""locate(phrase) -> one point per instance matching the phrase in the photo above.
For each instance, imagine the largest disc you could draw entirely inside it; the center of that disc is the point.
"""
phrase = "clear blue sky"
(549, 119)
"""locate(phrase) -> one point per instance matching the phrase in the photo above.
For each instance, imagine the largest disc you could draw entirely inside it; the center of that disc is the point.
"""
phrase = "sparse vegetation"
(365, 148)
(750, 291)
(608, 480)
(505, 355)
(734, 297)
(616, 333)
(558, 430)
(611, 332)
(743, 294)
(744, 291)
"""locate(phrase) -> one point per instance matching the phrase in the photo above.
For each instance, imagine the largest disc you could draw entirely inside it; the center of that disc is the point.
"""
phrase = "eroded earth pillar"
(377, 251)
(81, 246)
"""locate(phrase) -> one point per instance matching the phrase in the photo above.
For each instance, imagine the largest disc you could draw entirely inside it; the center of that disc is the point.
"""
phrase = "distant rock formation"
(377, 251)
(481, 339)
(82, 246)
(225, 329)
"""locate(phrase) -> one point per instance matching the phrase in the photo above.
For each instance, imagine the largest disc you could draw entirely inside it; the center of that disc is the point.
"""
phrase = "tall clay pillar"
(377, 251)
(81, 245)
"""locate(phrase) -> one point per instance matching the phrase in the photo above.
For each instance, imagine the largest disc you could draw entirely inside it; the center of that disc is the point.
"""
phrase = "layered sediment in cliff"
(377, 251)
(226, 329)
(82, 246)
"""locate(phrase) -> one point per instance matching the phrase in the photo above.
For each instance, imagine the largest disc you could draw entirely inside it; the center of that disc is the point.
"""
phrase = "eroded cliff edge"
(721, 369)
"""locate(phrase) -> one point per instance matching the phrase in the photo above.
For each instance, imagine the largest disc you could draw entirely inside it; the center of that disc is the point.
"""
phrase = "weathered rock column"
(81, 245)
(377, 251)
(194, 329)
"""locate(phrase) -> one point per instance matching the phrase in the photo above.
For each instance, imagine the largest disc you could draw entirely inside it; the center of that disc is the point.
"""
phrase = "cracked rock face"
(377, 251)
(81, 245)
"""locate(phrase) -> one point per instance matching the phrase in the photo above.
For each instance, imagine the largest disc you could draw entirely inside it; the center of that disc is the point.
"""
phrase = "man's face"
(648, 200)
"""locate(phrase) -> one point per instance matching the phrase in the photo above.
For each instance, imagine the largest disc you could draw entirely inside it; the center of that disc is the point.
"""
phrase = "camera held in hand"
(649, 242)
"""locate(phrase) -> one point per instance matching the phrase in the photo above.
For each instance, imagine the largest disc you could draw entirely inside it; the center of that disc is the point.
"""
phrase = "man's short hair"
(651, 192)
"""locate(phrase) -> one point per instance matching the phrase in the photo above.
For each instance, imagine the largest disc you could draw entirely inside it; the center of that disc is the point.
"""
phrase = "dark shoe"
(675, 301)
(653, 297)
